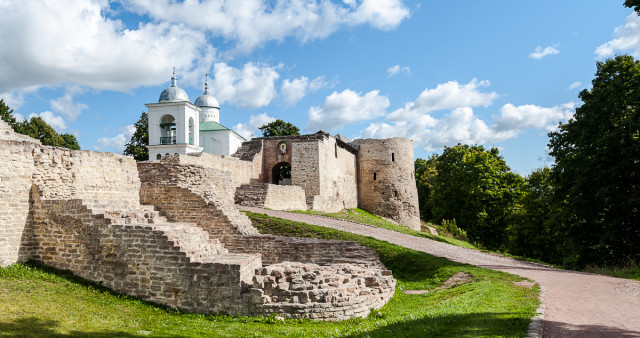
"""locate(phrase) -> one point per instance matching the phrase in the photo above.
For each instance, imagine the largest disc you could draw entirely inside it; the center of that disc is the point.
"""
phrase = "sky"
(498, 73)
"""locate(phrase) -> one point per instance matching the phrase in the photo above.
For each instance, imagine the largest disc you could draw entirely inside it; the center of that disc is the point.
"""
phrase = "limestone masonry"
(167, 230)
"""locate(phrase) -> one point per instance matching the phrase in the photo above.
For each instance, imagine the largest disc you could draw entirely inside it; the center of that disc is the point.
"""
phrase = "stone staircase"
(252, 195)
(191, 239)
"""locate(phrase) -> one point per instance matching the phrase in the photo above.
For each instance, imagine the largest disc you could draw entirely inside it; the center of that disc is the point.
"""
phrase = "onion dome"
(206, 99)
(173, 93)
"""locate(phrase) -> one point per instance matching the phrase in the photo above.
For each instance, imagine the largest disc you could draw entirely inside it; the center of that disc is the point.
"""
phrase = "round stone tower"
(386, 179)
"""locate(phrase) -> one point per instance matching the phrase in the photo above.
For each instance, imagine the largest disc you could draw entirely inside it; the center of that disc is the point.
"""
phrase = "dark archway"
(281, 173)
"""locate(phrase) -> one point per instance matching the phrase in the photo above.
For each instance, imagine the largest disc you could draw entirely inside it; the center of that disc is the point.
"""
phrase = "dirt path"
(576, 304)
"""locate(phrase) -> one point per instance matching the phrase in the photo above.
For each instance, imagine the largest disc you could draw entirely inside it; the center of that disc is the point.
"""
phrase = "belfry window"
(167, 130)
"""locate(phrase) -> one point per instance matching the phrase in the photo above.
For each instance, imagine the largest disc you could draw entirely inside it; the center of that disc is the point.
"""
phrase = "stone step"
(192, 240)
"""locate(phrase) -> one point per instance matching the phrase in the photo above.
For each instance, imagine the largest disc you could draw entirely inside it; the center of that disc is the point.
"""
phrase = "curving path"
(576, 304)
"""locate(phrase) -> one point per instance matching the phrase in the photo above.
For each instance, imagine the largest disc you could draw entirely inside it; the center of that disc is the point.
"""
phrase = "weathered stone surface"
(271, 196)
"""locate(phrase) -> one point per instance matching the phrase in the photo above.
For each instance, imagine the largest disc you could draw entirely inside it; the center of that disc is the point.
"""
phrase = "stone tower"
(386, 179)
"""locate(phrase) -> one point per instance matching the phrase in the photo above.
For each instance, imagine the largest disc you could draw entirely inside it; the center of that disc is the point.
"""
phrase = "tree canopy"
(597, 168)
(279, 128)
(475, 187)
(137, 146)
(635, 4)
(37, 128)
(425, 171)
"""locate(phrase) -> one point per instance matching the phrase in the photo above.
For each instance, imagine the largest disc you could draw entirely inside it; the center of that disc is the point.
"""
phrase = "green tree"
(597, 168)
(6, 114)
(425, 171)
(532, 226)
(475, 187)
(37, 128)
(635, 4)
(137, 146)
(279, 128)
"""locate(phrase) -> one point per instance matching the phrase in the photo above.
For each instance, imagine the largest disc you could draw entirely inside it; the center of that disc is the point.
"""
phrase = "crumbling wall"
(271, 196)
(386, 180)
(16, 169)
(242, 172)
(338, 182)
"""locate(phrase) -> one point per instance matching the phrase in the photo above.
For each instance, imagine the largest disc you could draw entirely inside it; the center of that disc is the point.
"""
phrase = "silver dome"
(206, 99)
(173, 93)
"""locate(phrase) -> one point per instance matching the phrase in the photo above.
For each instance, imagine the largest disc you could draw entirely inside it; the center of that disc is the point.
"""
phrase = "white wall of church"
(220, 142)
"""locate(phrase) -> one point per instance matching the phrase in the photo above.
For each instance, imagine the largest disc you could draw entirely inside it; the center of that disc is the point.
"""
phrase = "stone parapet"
(275, 197)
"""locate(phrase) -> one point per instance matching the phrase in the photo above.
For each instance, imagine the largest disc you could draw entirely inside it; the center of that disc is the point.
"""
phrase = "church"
(177, 126)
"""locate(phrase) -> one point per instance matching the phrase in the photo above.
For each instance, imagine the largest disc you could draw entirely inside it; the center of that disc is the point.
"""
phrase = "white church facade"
(177, 126)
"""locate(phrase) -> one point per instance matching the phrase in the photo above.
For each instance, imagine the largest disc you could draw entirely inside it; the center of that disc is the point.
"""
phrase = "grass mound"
(39, 301)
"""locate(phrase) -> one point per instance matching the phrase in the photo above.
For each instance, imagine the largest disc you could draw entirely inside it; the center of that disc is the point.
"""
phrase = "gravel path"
(576, 304)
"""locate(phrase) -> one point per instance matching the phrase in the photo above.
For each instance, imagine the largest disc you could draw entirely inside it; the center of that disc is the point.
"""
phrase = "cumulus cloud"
(540, 52)
(250, 129)
(251, 23)
(460, 124)
(575, 85)
(48, 43)
(56, 122)
(446, 96)
(64, 105)
(251, 87)
(294, 90)
(116, 143)
(516, 118)
(627, 39)
(397, 69)
(346, 107)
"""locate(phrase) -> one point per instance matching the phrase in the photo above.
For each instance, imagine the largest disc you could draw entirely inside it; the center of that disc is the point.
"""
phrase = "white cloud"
(56, 122)
(627, 39)
(251, 87)
(251, 23)
(518, 118)
(446, 96)
(540, 52)
(48, 43)
(15, 99)
(575, 85)
(461, 124)
(64, 105)
(117, 143)
(397, 69)
(250, 129)
(294, 90)
(344, 108)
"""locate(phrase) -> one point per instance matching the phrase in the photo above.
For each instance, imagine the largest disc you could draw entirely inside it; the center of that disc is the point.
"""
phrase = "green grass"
(40, 301)
(631, 271)
(362, 216)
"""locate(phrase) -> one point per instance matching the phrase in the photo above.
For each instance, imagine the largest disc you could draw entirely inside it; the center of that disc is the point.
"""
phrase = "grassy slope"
(362, 216)
(40, 301)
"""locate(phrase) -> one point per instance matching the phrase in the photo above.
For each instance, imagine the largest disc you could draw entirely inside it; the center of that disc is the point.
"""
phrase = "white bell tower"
(173, 123)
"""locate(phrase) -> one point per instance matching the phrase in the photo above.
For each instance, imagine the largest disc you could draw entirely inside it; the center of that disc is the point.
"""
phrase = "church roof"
(212, 126)
(206, 99)
(215, 126)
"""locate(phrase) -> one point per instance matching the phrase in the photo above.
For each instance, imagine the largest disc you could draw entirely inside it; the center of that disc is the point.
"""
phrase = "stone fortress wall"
(185, 246)
(386, 180)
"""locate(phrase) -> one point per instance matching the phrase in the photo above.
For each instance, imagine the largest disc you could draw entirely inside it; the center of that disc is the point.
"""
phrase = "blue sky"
(497, 73)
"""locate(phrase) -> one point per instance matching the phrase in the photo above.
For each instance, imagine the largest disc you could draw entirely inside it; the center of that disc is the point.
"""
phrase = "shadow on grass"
(36, 327)
(467, 325)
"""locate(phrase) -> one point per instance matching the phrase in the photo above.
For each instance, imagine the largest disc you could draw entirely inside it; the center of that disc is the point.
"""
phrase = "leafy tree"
(137, 146)
(475, 187)
(279, 128)
(37, 128)
(635, 4)
(6, 114)
(425, 173)
(70, 141)
(532, 231)
(597, 168)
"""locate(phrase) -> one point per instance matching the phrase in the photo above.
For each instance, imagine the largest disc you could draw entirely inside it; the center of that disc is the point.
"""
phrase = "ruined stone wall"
(386, 180)
(101, 180)
(143, 260)
(271, 196)
(16, 169)
(241, 171)
(338, 181)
